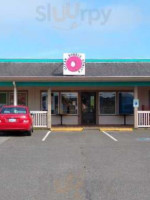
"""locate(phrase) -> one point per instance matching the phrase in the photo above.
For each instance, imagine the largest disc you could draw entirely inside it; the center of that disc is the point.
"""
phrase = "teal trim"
(81, 84)
(117, 60)
(6, 84)
(87, 60)
(75, 84)
(31, 60)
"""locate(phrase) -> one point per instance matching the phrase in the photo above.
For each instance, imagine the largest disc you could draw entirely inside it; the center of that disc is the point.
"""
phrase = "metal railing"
(39, 119)
(143, 119)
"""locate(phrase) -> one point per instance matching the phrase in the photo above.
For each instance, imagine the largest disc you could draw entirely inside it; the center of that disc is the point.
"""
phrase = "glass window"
(13, 110)
(22, 98)
(3, 98)
(125, 103)
(11, 98)
(54, 102)
(69, 103)
(107, 103)
(44, 103)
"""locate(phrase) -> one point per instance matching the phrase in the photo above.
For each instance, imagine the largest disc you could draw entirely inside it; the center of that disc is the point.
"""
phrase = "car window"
(13, 110)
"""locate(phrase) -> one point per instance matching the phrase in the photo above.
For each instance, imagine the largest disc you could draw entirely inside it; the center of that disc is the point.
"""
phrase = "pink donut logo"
(74, 63)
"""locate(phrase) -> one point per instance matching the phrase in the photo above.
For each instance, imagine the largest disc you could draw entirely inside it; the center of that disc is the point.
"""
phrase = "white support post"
(15, 94)
(49, 118)
(135, 109)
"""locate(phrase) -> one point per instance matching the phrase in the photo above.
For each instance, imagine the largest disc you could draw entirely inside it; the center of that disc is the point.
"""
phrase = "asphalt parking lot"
(88, 165)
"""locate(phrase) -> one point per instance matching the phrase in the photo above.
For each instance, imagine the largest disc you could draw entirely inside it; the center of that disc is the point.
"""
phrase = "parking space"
(87, 165)
(128, 136)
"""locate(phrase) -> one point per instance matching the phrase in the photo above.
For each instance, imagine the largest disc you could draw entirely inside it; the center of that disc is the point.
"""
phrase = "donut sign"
(74, 64)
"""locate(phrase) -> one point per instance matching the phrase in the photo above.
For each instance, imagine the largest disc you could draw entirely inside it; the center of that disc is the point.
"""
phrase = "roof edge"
(87, 60)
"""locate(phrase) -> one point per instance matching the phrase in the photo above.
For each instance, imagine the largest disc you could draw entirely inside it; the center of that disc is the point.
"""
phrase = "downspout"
(15, 93)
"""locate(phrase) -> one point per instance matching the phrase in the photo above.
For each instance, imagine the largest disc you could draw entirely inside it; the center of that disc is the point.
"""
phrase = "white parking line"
(110, 136)
(3, 139)
(47, 134)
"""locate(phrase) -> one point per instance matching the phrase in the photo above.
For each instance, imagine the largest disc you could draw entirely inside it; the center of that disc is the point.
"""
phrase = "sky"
(101, 29)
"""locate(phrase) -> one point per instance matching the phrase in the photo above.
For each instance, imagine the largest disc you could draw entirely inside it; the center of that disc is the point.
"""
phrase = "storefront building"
(103, 96)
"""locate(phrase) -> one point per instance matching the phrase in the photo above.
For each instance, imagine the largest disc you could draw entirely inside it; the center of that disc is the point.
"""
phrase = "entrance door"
(88, 108)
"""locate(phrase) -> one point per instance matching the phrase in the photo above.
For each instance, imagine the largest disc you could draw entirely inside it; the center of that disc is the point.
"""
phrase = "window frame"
(66, 92)
(99, 103)
(47, 96)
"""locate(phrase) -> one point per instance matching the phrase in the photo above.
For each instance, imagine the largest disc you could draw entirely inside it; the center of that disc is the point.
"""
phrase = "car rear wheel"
(29, 133)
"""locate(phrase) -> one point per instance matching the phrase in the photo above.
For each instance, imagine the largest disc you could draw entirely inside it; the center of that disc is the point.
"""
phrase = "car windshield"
(13, 110)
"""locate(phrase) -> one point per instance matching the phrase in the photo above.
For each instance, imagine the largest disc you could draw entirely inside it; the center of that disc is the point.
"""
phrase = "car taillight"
(26, 121)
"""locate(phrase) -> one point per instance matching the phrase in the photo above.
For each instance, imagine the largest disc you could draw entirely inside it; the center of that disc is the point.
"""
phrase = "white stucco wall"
(56, 120)
(115, 120)
(66, 120)
(143, 93)
(34, 105)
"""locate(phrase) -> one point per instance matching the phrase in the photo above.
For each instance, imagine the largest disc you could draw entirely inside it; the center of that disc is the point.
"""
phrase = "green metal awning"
(6, 84)
(75, 84)
(82, 84)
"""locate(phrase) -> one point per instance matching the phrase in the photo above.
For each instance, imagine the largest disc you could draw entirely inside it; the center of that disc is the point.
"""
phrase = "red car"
(16, 118)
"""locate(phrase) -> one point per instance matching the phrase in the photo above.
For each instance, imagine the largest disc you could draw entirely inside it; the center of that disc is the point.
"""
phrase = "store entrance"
(88, 108)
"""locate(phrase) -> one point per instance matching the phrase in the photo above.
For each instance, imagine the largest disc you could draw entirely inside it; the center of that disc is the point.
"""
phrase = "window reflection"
(22, 98)
(54, 102)
(126, 103)
(107, 103)
(69, 103)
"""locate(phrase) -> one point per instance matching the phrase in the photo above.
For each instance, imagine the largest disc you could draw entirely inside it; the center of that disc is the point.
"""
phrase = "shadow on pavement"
(13, 134)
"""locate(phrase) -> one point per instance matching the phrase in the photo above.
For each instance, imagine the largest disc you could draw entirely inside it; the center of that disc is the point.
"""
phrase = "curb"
(116, 129)
(67, 129)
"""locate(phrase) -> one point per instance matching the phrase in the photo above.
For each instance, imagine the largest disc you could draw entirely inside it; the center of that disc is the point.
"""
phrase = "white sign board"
(74, 64)
(136, 103)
